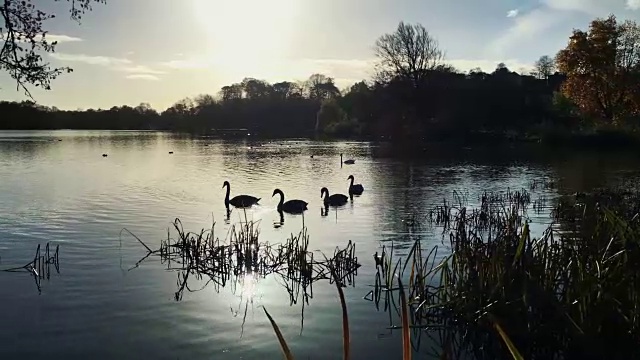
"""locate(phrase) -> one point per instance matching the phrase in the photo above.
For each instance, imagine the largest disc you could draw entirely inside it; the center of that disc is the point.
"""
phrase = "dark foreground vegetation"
(501, 293)
(588, 92)
(497, 292)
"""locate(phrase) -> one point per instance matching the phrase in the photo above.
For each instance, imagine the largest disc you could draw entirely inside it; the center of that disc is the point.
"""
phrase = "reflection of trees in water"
(26, 149)
(241, 261)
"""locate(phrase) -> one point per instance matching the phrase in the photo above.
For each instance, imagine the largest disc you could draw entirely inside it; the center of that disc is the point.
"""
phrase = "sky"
(127, 52)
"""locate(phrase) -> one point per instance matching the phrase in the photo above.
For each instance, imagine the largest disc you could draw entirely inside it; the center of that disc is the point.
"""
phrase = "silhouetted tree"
(25, 40)
(231, 92)
(407, 53)
(256, 89)
(321, 87)
(544, 67)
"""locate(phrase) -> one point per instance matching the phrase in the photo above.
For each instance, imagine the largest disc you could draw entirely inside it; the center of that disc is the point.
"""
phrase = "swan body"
(355, 189)
(333, 200)
(239, 201)
(348, 162)
(292, 206)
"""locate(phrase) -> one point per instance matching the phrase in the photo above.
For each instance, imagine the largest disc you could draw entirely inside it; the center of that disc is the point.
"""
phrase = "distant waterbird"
(348, 162)
(239, 201)
(355, 189)
(104, 155)
(333, 200)
(291, 206)
(170, 152)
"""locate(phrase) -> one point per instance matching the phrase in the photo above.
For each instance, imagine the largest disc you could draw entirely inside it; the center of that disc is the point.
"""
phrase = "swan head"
(350, 178)
(277, 191)
(226, 183)
(324, 190)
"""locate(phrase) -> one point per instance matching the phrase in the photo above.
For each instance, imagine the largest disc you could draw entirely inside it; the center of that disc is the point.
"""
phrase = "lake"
(55, 186)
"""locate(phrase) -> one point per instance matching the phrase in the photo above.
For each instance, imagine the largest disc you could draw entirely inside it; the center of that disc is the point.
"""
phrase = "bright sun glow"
(246, 36)
(248, 284)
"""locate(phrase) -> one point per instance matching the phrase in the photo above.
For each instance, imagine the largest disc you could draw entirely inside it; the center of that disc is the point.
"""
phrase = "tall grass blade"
(406, 334)
(283, 344)
(345, 317)
(512, 348)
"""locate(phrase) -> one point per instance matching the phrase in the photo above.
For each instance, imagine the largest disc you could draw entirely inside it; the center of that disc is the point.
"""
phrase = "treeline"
(415, 95)
(449, 101)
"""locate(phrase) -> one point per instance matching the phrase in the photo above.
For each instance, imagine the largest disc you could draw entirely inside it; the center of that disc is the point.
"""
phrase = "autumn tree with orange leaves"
(602, 67)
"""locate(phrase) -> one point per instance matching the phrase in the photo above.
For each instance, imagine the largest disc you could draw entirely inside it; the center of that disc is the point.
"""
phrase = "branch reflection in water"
(240, 261)
(40, 266)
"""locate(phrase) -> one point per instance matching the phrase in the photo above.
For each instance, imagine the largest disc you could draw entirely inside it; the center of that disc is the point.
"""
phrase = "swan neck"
(351, 185)
(281, 199)
(226, 198)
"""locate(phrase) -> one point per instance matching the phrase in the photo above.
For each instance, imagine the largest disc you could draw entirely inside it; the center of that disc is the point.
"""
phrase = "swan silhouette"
(356, 189)
(333, 200)
(348, 162)
(291, 206)
(240, 201)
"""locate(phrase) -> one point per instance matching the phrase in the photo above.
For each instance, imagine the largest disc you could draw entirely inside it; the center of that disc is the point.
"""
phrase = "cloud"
(135, 71)
(148, 77)
(512, 13)
(525, 27)
(141, 69)
(51, 38)
(633, 4)
(92, 60)
(62, 38)
(186, 64)
(592, 7)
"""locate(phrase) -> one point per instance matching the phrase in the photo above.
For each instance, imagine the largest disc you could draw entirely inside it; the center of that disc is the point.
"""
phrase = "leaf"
(406, 334)
(345, 317)
(512, 348)
(283, 344)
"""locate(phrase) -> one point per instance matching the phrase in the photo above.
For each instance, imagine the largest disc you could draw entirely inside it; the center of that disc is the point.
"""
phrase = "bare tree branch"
(25, 40)
(410, 52)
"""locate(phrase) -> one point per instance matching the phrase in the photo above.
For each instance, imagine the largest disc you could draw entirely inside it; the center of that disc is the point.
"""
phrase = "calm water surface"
(66, 193)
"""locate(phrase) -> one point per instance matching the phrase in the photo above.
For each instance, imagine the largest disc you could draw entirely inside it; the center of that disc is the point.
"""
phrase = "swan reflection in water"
(278, 224)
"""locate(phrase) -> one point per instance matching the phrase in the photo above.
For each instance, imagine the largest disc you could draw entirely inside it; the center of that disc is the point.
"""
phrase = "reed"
(41, 265)
(572, 292)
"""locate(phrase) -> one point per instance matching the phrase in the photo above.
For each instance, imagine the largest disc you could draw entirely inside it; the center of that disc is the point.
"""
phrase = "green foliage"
(332, 120)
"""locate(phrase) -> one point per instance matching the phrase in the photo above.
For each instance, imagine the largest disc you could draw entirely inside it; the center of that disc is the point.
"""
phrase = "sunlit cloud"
(512, 13)
(62, 38)
(633, 4)
(91, 59)
(51, 38)
(141, 69)
(135, 71)
(186, 64)
(148, 77)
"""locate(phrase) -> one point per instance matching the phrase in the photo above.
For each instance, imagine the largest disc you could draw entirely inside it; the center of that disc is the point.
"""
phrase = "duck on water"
(239, 201)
